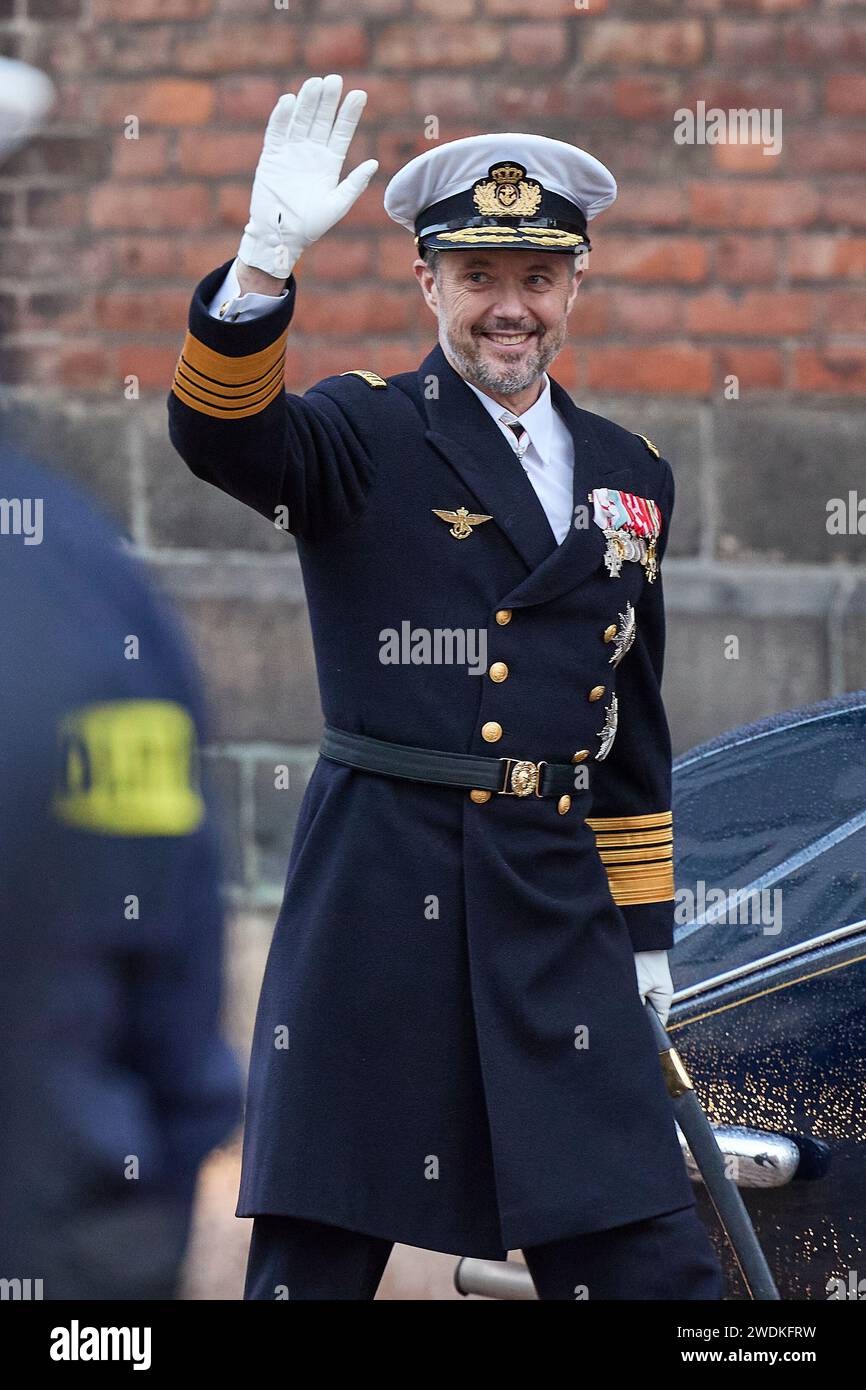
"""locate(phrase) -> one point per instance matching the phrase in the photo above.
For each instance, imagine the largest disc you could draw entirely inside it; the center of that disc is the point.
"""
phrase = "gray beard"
(507, 381)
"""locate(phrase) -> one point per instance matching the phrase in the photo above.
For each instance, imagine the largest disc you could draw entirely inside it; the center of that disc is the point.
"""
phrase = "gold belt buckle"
(522, 775)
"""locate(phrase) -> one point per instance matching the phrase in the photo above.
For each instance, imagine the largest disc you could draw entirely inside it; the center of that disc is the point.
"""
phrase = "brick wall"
(716, 261)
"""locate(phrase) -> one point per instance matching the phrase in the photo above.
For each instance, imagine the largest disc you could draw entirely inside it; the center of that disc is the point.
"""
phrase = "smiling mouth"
(512, 340)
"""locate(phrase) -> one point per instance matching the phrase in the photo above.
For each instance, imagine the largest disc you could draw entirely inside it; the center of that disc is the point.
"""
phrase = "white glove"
(654, 980)
(297, 195)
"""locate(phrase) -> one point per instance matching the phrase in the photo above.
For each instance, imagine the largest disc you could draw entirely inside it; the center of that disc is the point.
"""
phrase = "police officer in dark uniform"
(451, 1048)
(114, 1079)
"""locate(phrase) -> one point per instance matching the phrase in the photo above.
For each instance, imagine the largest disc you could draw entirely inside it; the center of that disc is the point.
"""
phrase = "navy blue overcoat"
(450, 1049)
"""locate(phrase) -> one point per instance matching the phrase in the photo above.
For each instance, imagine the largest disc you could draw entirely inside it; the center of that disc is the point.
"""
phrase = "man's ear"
(427, 280)
(572, 293)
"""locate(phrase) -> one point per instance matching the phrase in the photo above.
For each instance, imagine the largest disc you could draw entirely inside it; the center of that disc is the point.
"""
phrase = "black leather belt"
(506, 776)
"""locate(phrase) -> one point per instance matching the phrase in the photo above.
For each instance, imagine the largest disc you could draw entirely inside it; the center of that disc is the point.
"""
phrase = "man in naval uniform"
(451, 1048)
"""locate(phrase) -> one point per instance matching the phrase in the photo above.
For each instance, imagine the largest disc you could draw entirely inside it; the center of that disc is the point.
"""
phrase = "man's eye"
(540, 279)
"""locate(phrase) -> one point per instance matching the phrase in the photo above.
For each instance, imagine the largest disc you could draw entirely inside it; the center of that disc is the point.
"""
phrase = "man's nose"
(509, 304)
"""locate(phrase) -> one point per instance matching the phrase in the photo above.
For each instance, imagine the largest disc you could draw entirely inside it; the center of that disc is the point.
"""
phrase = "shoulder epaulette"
(648, 442)
(371, 378)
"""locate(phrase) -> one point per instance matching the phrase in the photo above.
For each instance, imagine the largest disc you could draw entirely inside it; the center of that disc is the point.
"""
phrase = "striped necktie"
(519, 433)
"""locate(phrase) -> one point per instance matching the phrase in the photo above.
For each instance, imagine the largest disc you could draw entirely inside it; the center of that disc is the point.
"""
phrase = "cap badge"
(507, 192)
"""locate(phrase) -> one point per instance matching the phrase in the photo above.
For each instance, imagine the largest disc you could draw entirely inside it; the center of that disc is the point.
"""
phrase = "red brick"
(537, 45)
(844, 200)
(165, 101)
(218, 153)
(228, 48)
(822, 150)
(836, 370)
(567, 367)
(744, 159)
(772, 203)
(246, 98)
(376, 9)
(523, 102)
(233, 204)
(134, 206)
(659, 43)
(441, 92)
(56, 312)
(373, 310)
(52, 209)
(140, 158)
(333, 47)
(671, 260)
(137, 11)
(832, 41)
(845, 311)
(142, 311)
(153, 364)
(395, 255)
(647, 313)
(845, 94)
(591, 315)
(642, 95)
(667, 369)
(51, 259)
(198, 255)
(755, 368)
(88, 367)
(645, 205)
(149, 257)
(51, 154)
(319, 360)
(445, 9)
(337, 257)
(827, 258)
(537, 9)
(394, 149)
(439, 45)
(123, 48)
(741, 260)
(764, 91)
(753, 314)
(745, 42)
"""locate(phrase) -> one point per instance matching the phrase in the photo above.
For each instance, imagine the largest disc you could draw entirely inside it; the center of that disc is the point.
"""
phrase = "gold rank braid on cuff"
(637, 854)
(229, 388)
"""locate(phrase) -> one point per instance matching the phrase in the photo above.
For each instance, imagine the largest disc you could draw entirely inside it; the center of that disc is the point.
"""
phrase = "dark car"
(769, 970)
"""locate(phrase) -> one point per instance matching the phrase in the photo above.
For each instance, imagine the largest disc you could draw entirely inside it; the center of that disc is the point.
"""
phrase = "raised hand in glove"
(654, 980)
(297, 193)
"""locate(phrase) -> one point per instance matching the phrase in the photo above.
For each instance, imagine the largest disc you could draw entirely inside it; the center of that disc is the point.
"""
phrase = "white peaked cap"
(26, 96)
(436, 194)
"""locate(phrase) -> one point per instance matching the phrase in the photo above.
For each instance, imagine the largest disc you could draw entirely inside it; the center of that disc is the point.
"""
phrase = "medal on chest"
(631, 527)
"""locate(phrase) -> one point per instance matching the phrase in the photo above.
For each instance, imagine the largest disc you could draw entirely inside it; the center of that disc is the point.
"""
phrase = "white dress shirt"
(549, 457)
(228, 302)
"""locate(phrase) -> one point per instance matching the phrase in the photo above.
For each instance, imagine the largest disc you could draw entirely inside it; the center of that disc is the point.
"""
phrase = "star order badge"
(631, 526)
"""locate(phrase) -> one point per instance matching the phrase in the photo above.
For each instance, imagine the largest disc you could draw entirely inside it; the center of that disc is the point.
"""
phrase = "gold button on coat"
(479, 796)
(503, 616)
(610, 632)
(491, 732)
(563, 805)
(580, 756)
(498, 671)
(596, 692)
